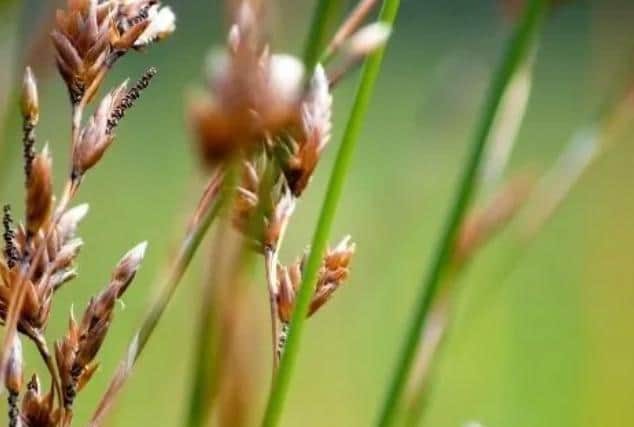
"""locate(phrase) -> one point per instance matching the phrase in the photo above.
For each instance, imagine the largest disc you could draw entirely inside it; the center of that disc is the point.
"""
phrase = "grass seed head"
(253, 94)
(91, 35)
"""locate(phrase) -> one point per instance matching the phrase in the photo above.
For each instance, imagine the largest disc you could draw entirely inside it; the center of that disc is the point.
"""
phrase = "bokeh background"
(545, 341)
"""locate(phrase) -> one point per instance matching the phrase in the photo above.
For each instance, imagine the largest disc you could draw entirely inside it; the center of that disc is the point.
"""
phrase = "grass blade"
(325, 13)
(320, 239)
(517, 49)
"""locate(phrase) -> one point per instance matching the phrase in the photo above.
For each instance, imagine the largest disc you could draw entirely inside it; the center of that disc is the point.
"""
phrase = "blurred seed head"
(252, 95)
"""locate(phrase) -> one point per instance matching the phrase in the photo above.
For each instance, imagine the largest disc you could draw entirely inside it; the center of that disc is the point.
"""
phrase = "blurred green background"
(550, 345)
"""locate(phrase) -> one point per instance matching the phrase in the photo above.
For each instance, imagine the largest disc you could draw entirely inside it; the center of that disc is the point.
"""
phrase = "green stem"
(181, 262)
(320, 239)
(517, 49)
(325, 13)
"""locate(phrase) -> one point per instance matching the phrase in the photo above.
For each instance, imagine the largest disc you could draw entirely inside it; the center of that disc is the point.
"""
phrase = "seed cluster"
(272, 118)
(40, 254)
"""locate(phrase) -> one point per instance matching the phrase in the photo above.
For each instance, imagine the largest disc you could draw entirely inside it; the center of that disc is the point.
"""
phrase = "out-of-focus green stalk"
(326, 12)
(517, 49)
(191, 242)
(8, 92)
(320, 239)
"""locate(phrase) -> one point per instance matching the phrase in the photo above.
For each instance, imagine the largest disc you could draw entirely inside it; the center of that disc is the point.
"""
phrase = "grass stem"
(320, 239)
(517, 49)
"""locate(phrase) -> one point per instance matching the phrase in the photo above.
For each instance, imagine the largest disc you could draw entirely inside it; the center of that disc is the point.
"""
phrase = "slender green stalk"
(212, 203)
(9, 93)
(517, 49)
(325, 13)
(320, 239)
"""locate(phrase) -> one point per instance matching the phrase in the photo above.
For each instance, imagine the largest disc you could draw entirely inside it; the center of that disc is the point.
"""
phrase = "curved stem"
(320, 239)
(517, 49)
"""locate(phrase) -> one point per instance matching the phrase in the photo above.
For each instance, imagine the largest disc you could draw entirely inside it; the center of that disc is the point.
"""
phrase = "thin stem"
(320, 239)
(182, 261)
(326, 11)
(517, 49)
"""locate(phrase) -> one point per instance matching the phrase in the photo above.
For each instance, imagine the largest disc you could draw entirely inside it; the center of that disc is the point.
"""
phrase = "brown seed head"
(82, 41)
(91, 35)
(253, 94)
(39, 192)
(29, 99)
